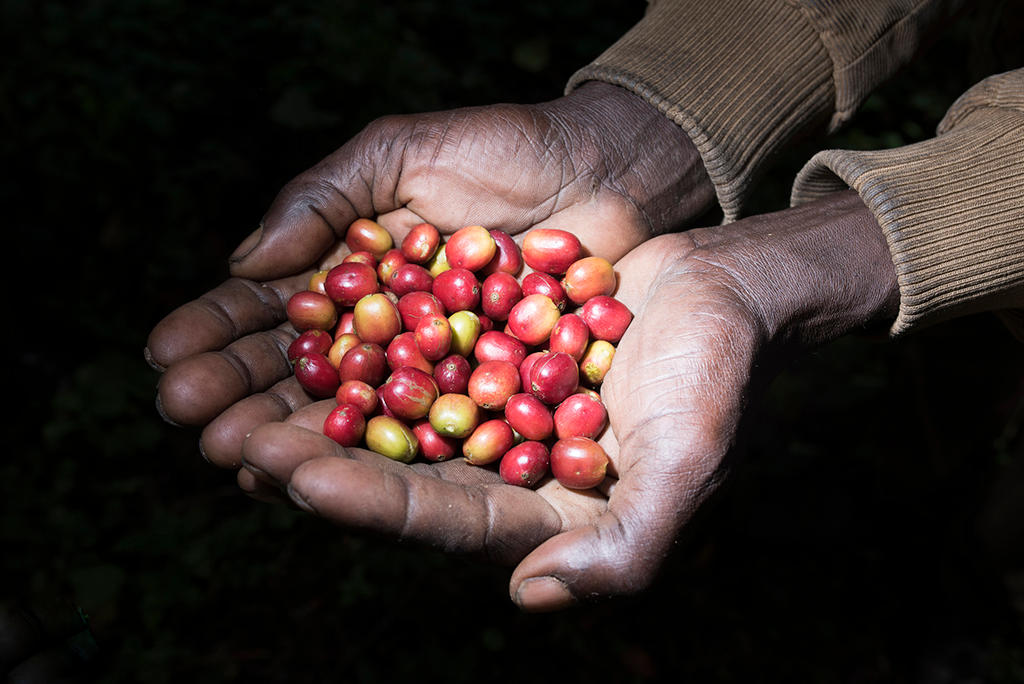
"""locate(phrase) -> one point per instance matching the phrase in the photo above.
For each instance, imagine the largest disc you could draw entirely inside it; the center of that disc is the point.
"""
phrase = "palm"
(672, 396)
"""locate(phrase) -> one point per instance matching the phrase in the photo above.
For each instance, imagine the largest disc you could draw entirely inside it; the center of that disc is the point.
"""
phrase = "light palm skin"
(601, 163)
(711, 307)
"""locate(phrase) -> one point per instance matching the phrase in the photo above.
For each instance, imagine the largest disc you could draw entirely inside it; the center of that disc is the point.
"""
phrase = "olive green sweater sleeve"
(952, 207)
(745, 77)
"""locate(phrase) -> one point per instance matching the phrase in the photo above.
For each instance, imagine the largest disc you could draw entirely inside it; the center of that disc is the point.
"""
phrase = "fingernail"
(261, 475)
(542, 594)
(299, 501)
(148, 355)
(163, 414)
(202, 452)
(248, 244)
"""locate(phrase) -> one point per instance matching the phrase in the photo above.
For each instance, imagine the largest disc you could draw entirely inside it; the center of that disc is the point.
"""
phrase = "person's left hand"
(712, 308)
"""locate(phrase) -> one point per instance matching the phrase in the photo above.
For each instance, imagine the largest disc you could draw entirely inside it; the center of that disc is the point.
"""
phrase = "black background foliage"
(871, 533)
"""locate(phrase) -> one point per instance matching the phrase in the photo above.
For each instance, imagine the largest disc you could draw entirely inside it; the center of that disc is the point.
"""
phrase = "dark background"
(872, 533)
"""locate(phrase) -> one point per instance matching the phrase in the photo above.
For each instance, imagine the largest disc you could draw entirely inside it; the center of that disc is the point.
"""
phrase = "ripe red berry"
(550, 250)
(316, 375)
(525, 464)
(345, 424)
(578, 462)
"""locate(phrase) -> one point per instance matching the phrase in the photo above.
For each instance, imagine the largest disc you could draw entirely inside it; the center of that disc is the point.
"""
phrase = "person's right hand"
(601, 163)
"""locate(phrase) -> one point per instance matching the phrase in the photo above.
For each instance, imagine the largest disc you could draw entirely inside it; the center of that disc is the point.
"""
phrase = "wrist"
(812, 273)
(643, 154)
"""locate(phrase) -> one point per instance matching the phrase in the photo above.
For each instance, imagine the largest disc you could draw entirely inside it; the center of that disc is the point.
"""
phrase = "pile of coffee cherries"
(439, 348)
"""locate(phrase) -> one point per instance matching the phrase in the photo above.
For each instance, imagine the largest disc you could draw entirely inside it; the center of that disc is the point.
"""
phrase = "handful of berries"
(438, 348)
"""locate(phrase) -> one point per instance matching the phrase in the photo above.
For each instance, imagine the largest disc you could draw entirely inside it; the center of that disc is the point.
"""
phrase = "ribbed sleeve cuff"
(951, 210)
(741, 78)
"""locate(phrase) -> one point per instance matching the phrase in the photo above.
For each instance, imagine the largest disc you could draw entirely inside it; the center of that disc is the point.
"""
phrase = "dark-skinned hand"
(600, 162)
(715, 310)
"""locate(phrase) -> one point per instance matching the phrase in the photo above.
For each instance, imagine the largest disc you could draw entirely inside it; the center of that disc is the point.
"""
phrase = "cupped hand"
(600, 162)
(712, 308)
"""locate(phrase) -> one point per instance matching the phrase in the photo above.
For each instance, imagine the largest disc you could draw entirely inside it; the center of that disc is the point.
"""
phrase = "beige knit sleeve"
(952, 207)
(744, 77)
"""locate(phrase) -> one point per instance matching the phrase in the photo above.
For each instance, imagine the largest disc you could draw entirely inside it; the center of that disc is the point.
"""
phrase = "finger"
(621, 551)
(235, 308)
(196, 390)
(221, 440)
(498, 521)
(306, 218)
(314, 210)
(451, 505)
(274, 452)
(258, 489)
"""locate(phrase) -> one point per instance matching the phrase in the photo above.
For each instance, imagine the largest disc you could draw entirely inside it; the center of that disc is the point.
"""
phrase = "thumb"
(314, 210)
(622, 551)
